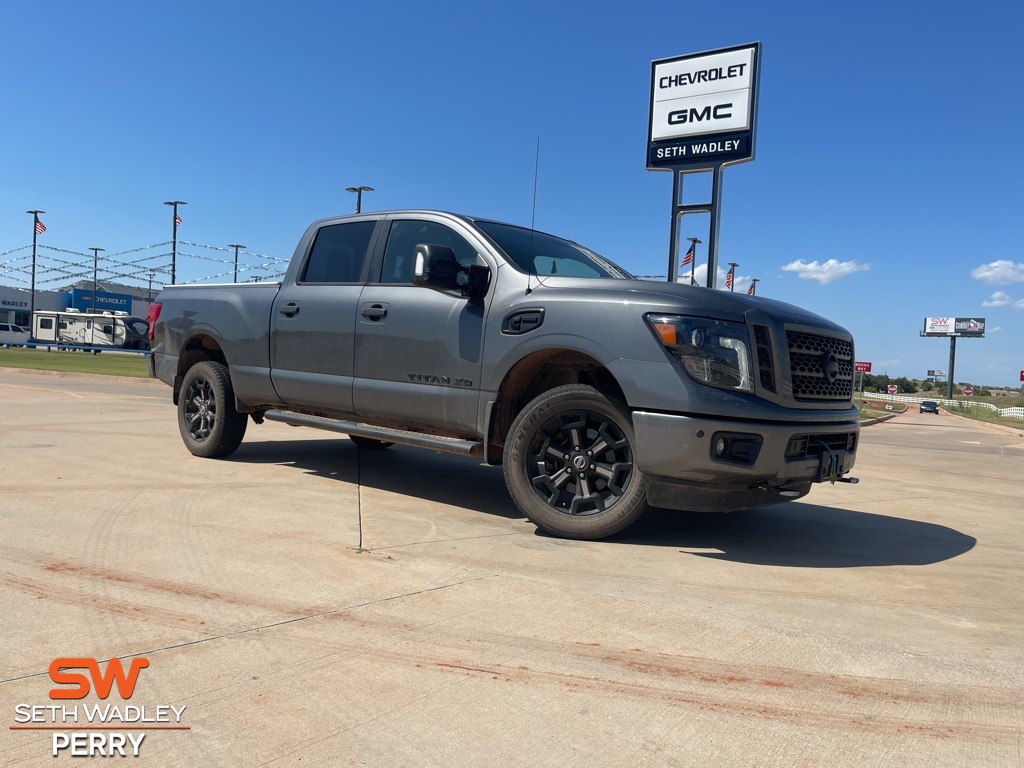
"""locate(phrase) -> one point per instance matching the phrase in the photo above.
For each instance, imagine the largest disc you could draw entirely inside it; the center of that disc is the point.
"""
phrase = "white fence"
(1013, 413)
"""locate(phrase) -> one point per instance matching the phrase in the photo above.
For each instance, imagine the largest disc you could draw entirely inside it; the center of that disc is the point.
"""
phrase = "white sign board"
(707, 94)
(703, 108)
(938, 325)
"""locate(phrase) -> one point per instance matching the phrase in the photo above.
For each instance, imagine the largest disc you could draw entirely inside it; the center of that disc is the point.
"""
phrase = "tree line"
(880, 383)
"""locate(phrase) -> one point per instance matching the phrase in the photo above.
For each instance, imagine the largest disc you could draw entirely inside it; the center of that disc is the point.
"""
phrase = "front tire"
(570, 464)
(209, 424)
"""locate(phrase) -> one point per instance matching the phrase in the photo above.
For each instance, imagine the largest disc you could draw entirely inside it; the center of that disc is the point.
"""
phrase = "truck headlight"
(712, 352)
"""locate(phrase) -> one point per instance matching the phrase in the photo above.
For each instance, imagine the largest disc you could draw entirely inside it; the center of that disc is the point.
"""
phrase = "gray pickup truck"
(598, 392)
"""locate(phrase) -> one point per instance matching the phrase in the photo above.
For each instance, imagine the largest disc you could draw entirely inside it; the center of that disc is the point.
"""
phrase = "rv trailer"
(90, 329)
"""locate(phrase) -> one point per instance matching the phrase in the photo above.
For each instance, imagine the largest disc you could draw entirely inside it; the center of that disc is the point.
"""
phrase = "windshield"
(544, 255)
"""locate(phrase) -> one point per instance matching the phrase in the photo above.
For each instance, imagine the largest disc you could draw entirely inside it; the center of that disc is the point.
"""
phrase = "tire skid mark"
(176, 588)
(768, 692)
(707, 696)
(98, 603)
(108, 576)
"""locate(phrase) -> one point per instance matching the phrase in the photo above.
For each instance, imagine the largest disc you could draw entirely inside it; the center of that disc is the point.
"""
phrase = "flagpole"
(35, 234)
(731, 279)
(174, 237)
(693, 261)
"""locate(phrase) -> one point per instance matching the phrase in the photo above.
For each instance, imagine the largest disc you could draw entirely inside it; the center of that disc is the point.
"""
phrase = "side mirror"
(436, 267)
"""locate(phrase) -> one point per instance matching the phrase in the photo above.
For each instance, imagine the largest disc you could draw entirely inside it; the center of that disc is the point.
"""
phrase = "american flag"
(177, 220)
(40, 227)
(688, 258)
(728, 279)
(750, 290)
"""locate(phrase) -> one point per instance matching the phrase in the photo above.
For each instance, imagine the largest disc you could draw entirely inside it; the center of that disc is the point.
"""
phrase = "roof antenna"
(536, 169)
(533, 212)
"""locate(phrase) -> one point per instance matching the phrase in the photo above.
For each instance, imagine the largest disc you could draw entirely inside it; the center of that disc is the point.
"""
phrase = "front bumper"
(773, 461)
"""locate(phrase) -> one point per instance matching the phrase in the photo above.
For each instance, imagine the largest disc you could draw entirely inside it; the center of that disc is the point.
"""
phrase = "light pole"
(174, 237)
(95, 262)
(149, 286)
(236, 247)
(359, 195)
(37, 229)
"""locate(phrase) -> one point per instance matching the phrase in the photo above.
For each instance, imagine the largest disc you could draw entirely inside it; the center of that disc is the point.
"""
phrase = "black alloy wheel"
(207, 420)
(570, 464)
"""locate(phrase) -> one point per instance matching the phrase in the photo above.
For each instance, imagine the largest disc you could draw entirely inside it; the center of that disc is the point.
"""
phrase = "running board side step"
(401, 436)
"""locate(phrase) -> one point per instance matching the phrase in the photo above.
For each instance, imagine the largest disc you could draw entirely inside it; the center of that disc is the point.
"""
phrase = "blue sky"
(886, 186)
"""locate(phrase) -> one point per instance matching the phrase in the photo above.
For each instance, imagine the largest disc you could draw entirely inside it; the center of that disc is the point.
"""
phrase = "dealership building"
(16, 303)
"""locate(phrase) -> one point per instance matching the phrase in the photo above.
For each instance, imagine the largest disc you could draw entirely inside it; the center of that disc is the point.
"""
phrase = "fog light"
(736, 447)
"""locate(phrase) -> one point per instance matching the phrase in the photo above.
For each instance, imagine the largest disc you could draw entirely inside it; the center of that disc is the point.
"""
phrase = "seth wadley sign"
(702, 107)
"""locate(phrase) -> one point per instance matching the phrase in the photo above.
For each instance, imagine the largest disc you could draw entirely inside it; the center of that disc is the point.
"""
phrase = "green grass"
(106, 363)
(984, 414)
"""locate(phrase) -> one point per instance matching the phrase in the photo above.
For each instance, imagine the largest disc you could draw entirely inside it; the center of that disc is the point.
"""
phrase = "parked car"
(14, 335)
(929, 406)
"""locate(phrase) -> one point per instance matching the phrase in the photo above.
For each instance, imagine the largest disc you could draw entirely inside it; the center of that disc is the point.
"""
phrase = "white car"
(13, 334)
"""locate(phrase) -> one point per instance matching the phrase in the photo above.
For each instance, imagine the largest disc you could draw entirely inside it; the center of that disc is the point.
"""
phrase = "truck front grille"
(821, 367)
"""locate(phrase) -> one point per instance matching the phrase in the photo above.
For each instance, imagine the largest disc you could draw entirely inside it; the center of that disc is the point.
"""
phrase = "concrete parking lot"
(876, 624)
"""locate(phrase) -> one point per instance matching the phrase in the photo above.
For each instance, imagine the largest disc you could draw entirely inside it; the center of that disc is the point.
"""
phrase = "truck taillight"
(151, 315)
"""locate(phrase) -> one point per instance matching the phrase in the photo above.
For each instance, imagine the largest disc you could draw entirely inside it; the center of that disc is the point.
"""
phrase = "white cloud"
(1002, 272)
(827, 272)
(997, 299)
(997, 329)
(1019, 304)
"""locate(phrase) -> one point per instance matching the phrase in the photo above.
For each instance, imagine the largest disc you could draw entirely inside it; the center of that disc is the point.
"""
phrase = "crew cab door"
(418, 351)
(313, 319)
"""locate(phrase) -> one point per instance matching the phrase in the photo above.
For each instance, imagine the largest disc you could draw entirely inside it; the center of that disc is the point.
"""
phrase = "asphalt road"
(870, 625)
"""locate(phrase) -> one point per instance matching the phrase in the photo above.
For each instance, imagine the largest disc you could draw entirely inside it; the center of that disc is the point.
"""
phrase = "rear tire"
(570, 464)
(209, 425)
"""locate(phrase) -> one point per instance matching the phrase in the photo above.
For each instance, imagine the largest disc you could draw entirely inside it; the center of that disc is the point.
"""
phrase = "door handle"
(375, 312)
(290, 309)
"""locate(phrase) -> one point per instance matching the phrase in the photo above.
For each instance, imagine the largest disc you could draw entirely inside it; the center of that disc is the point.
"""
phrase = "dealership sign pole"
(703, 114)
(953, 327)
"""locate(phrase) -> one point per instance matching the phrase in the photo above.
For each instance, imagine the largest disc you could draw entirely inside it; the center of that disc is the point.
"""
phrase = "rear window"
(338, 253)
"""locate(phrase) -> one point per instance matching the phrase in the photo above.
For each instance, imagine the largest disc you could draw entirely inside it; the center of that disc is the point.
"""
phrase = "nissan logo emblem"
(830, 366)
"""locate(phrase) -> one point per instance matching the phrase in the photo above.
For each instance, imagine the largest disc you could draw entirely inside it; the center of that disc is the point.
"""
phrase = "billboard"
(954, 326)
(703, 108)
(933, 374)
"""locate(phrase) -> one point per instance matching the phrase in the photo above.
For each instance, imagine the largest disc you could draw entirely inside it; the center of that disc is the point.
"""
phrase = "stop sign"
(892, 389)
(968, 391)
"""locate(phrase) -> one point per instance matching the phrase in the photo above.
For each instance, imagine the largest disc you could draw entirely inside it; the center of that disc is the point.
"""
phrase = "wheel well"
(537, 373)
(198, 349)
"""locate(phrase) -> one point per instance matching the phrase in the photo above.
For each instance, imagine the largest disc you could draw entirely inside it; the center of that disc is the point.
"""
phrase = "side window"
(338, 252)
(402, 242)
(46, 323)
